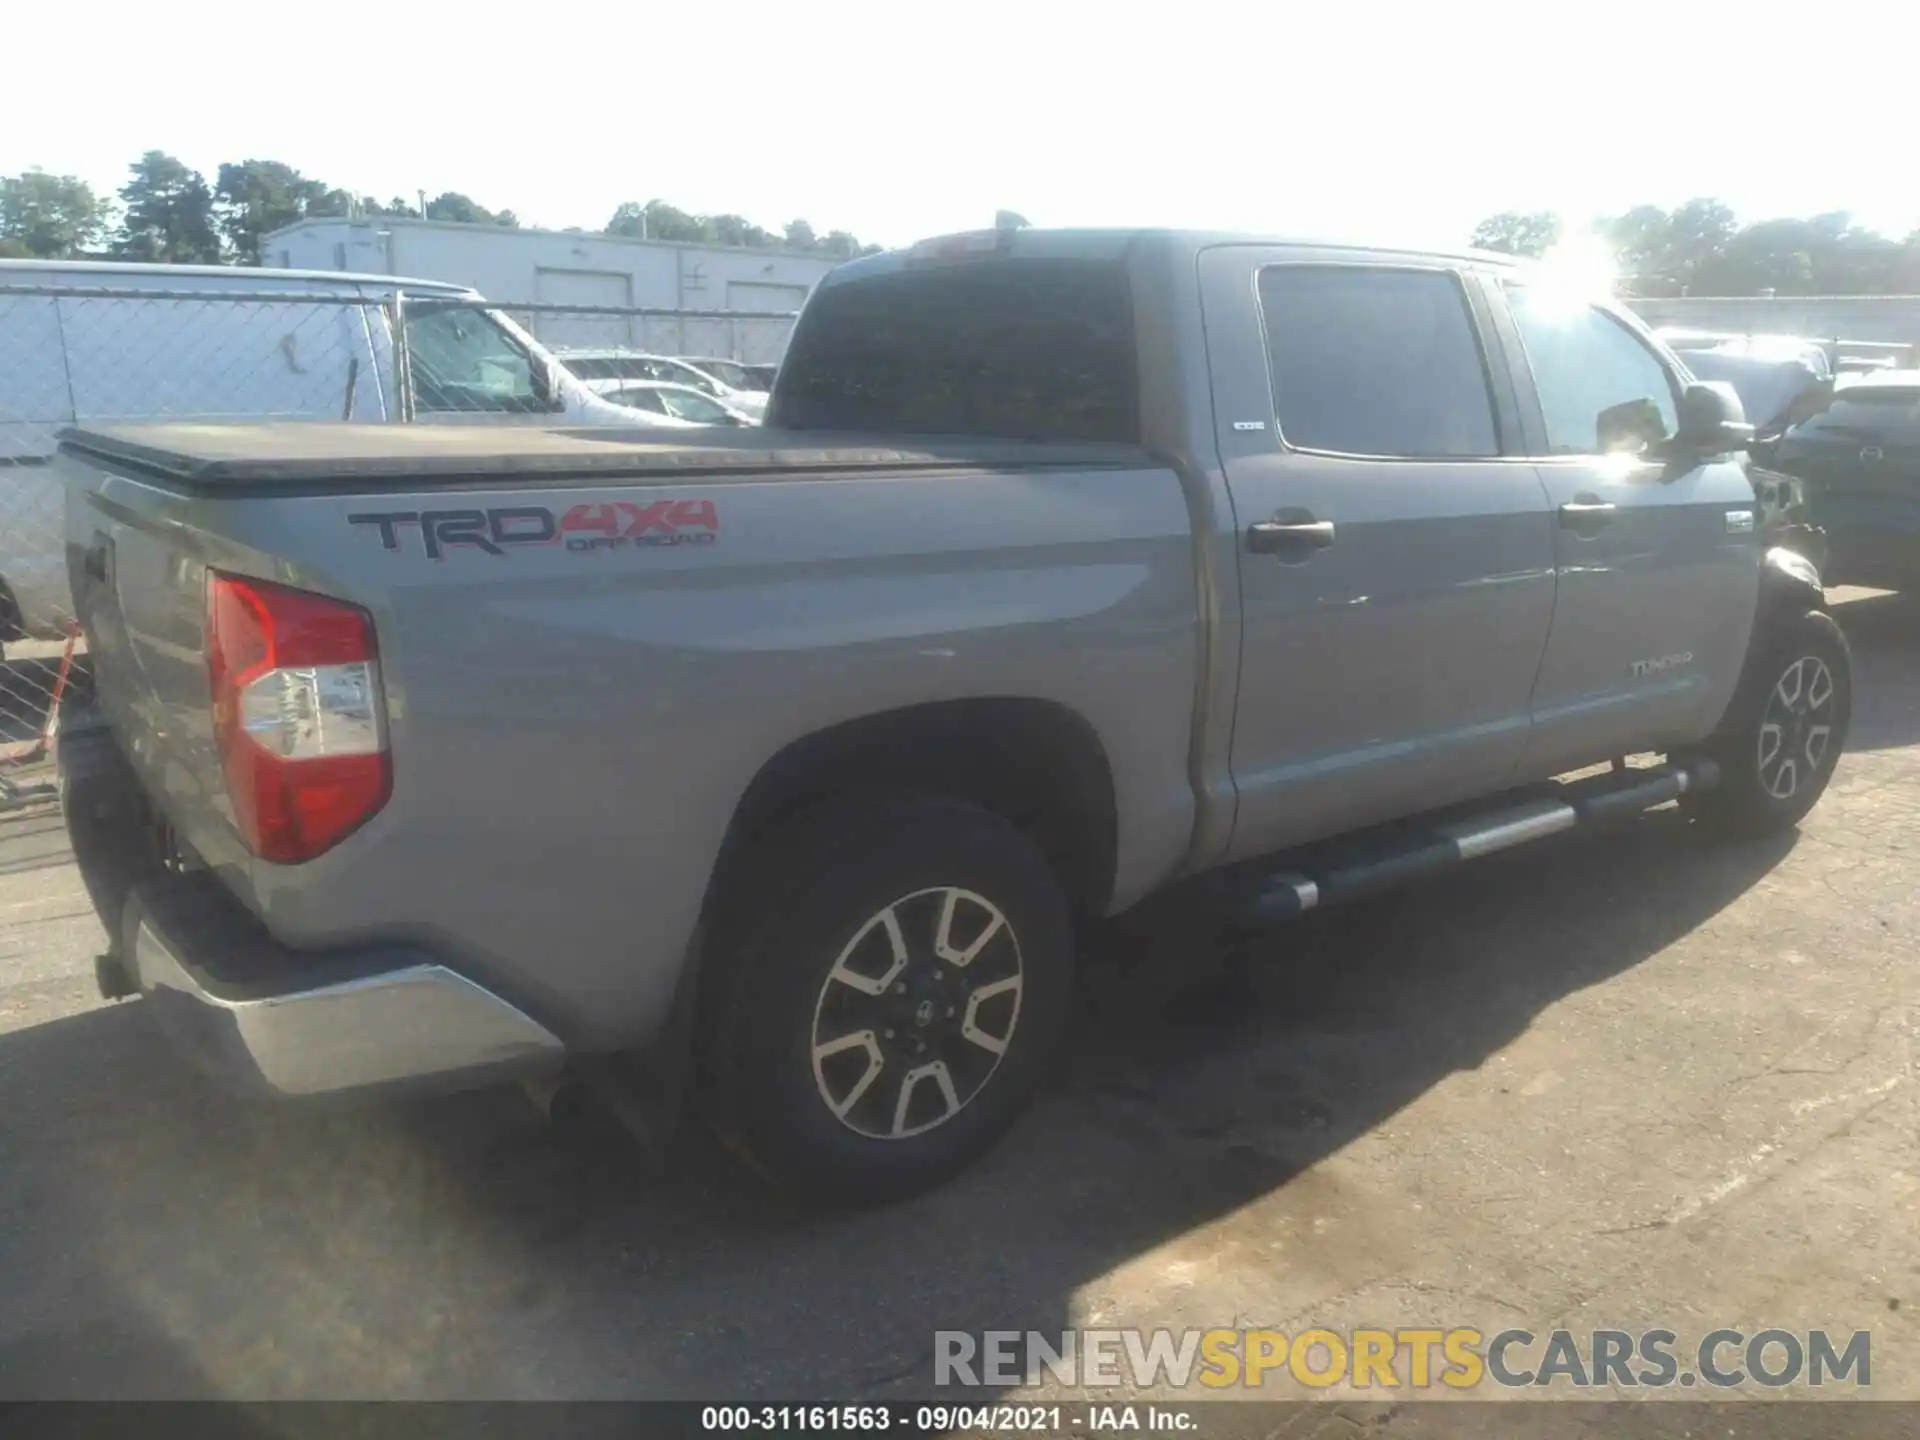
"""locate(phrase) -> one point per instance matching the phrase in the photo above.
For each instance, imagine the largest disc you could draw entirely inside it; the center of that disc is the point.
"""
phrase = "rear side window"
(1010, 349)
(1376, 362)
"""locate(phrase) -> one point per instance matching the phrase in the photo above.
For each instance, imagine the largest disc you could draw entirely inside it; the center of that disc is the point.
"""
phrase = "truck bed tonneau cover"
(305, 455)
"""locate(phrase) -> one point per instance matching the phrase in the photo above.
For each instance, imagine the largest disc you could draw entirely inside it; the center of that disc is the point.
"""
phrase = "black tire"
(1753, 796)
(109, 824)
(810, 897)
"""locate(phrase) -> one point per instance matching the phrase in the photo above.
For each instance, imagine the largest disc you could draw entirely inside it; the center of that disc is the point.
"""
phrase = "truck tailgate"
(136, 562)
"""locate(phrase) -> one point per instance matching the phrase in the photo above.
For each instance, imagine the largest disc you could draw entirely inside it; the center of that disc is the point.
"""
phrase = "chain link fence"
(150, 348)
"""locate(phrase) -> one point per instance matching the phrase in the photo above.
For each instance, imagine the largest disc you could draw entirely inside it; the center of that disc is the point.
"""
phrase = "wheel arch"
(1037, 763)
(1789, 587)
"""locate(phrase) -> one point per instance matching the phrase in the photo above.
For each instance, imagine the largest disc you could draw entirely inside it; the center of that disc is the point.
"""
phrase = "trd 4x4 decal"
(598, 525)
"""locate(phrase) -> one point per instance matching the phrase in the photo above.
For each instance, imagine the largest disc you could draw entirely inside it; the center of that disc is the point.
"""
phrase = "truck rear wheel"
(889, 983)
(1784, 731)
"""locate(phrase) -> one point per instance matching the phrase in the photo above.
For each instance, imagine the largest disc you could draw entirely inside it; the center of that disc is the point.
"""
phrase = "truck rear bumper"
(249, 1010)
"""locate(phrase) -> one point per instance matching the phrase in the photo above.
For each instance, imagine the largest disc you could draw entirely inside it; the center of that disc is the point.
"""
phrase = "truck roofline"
(1115, 243)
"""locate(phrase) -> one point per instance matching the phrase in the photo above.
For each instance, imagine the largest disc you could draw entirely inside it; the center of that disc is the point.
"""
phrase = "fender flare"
(1789, 587)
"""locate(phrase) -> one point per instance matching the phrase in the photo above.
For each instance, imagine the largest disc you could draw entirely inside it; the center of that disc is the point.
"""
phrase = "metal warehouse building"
(567, 267)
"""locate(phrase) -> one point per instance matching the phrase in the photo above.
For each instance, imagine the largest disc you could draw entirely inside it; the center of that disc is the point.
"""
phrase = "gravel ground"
(1636, 1080)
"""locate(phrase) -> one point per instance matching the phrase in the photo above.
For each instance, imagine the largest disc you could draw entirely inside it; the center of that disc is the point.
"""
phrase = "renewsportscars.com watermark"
(1458, 1358)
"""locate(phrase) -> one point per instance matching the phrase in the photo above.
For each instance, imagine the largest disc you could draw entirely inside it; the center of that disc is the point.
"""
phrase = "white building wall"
(1888, 319)
(568, 268)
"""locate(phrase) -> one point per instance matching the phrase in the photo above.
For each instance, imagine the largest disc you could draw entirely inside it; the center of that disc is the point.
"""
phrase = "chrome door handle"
(1580, 514)
(1272, 537)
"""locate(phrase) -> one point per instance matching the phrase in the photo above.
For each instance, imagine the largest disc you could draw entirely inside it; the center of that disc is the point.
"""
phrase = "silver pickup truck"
(786, 765)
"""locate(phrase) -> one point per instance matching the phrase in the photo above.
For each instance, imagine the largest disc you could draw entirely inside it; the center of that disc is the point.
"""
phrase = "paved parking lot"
(1634, 1081)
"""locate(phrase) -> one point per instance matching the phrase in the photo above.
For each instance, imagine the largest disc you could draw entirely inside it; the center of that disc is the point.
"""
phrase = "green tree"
(1848, 259)
(464, 210)
(170, 215)
(50, 217)
(1701, 249)
(254, 197)
(1697, 236)
(1905, 279)
(1638, 240)
(1515, 233)
(657, 220)
(738, 230)
(839, 244)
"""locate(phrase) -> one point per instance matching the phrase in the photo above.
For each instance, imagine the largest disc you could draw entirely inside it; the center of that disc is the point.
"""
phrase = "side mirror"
(1712, 420)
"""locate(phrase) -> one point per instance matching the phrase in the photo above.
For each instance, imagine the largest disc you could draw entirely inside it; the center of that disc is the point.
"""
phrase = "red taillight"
(296, 713)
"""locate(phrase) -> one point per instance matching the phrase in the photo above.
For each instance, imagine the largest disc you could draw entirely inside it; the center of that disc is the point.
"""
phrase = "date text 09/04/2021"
(919, 1419)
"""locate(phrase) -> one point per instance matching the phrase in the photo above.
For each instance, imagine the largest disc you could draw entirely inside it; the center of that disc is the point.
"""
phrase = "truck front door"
(1396, 561)
(1658, 562)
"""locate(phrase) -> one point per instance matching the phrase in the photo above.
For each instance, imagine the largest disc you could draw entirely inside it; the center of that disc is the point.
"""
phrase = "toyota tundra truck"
(791, 763)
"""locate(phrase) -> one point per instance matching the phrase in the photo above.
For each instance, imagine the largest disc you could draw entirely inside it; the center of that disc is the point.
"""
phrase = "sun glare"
(1577, 271)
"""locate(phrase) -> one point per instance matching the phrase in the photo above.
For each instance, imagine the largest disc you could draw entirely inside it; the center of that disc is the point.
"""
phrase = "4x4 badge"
(601, 525)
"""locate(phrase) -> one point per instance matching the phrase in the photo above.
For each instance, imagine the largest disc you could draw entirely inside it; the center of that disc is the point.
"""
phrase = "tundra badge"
(1661, 663)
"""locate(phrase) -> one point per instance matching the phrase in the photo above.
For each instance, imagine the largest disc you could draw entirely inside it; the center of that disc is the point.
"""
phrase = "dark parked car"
(1780, 380)
(1858, 461)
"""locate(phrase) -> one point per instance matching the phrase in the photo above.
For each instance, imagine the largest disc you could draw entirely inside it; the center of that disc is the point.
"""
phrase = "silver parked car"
(612, 367)
(681, 402)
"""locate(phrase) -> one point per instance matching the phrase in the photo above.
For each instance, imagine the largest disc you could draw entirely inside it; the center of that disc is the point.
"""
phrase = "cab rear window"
(1016, 349)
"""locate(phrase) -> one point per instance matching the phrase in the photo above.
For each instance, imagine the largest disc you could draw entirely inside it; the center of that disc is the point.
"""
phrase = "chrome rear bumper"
(247, 1009)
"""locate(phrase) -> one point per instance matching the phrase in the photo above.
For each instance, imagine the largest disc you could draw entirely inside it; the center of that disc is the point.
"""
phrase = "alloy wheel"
(916, 1013)
(1796, 732)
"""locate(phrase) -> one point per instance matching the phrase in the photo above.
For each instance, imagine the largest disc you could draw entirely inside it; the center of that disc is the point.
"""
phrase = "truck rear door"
(1396, 568)
(1658, 567)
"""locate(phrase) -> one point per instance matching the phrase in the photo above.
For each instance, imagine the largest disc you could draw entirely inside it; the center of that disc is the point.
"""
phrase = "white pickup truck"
(103, 343)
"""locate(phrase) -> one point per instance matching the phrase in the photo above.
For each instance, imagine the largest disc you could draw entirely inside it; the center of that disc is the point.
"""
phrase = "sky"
(1348, 119)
